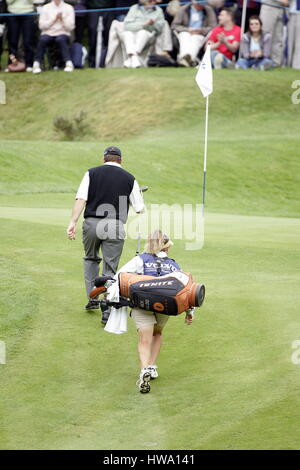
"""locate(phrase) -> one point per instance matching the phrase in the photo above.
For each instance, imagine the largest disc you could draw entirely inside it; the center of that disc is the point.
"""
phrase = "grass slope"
(157, 118)
(227, 381)
(120, 103)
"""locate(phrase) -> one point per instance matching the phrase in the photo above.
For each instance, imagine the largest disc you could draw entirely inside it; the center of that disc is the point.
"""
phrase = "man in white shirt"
(105, 193)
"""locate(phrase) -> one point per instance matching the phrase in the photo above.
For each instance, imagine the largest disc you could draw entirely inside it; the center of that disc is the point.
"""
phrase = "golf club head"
(143, 189)
(100, 281)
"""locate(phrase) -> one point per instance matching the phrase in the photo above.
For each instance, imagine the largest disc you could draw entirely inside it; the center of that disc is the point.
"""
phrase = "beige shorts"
(143, 318)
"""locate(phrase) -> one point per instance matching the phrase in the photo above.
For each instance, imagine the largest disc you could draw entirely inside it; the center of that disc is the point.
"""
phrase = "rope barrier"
(201, 2)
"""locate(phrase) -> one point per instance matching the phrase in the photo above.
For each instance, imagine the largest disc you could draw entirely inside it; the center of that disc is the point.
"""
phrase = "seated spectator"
(294, 35)
(18, 24)
(192, 23)
(224, 40)
(116, 53)
(143, 23)
(255, 47)
(272, 17)
(57, 20)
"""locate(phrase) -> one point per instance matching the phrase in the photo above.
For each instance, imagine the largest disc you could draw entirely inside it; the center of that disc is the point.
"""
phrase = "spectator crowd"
(57, 34)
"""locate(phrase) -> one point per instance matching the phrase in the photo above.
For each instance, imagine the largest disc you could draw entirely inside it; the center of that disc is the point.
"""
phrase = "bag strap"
(158, 262)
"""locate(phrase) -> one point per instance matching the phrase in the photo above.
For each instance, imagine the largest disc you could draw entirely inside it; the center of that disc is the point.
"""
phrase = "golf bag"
(171, 294)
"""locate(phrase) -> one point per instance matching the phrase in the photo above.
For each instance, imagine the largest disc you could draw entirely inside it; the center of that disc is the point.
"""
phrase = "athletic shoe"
(69, 66)
(105, 316)
(230, 65)
(218, 61)
(191, 63)
(92, 305)
(183, 62)
(143, 381)
(135, 62)
(266, 66)
(36, 67)
(153, 371)
(29, 69)
(128, 63)
(84, 55)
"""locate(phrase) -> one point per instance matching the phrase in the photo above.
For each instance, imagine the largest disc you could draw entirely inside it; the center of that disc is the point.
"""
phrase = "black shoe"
(92, 305)
(105, 316)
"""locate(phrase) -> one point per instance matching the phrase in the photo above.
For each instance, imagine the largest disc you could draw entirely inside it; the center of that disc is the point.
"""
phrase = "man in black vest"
(105, 192)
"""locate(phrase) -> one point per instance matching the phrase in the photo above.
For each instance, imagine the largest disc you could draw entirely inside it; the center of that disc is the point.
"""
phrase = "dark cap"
(112, 151)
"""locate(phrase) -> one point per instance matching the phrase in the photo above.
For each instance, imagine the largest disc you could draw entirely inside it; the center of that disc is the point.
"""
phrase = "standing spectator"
(143, 23)
(105, 192)
(21, 25)
(272, 17)
(171, 10)
(122, 4)
(2, 26)
(255, 47)
(56, 22)
(224, 40)
(294, 35)
(80, 20)
(93, 27)
(253, 9)
(192, 23)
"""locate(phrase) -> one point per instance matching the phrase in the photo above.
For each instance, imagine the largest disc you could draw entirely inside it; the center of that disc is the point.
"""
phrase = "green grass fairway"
(227, 381)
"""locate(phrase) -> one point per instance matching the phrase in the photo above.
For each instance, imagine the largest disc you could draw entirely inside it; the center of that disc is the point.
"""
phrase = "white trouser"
(163, 41)
(135, 42)
(189, 44)
(294, 40)
(272, 20)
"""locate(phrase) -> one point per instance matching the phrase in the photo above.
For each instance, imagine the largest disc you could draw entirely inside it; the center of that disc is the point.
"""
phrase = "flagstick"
(243, 22)
(205, 157)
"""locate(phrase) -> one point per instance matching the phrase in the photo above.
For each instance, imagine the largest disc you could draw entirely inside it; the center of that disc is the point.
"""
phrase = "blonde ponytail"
(157, 241)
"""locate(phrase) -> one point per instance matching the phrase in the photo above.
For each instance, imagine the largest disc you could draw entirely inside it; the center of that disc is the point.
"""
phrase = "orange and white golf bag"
(171, 294)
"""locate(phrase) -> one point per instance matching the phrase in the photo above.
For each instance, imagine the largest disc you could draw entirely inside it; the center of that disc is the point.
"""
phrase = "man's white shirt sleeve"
(83, 189)
(135, 198)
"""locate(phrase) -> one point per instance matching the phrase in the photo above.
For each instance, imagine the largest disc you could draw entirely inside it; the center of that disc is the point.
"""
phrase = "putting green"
(69, 384)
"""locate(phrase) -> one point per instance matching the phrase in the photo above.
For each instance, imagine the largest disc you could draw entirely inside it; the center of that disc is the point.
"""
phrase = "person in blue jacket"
(153, 262)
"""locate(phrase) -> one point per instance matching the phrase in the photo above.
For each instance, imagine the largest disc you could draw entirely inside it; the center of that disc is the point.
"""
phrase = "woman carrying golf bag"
(153, 262)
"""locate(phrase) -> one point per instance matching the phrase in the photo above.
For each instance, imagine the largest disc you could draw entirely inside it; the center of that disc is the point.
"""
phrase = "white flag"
(204, 75)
